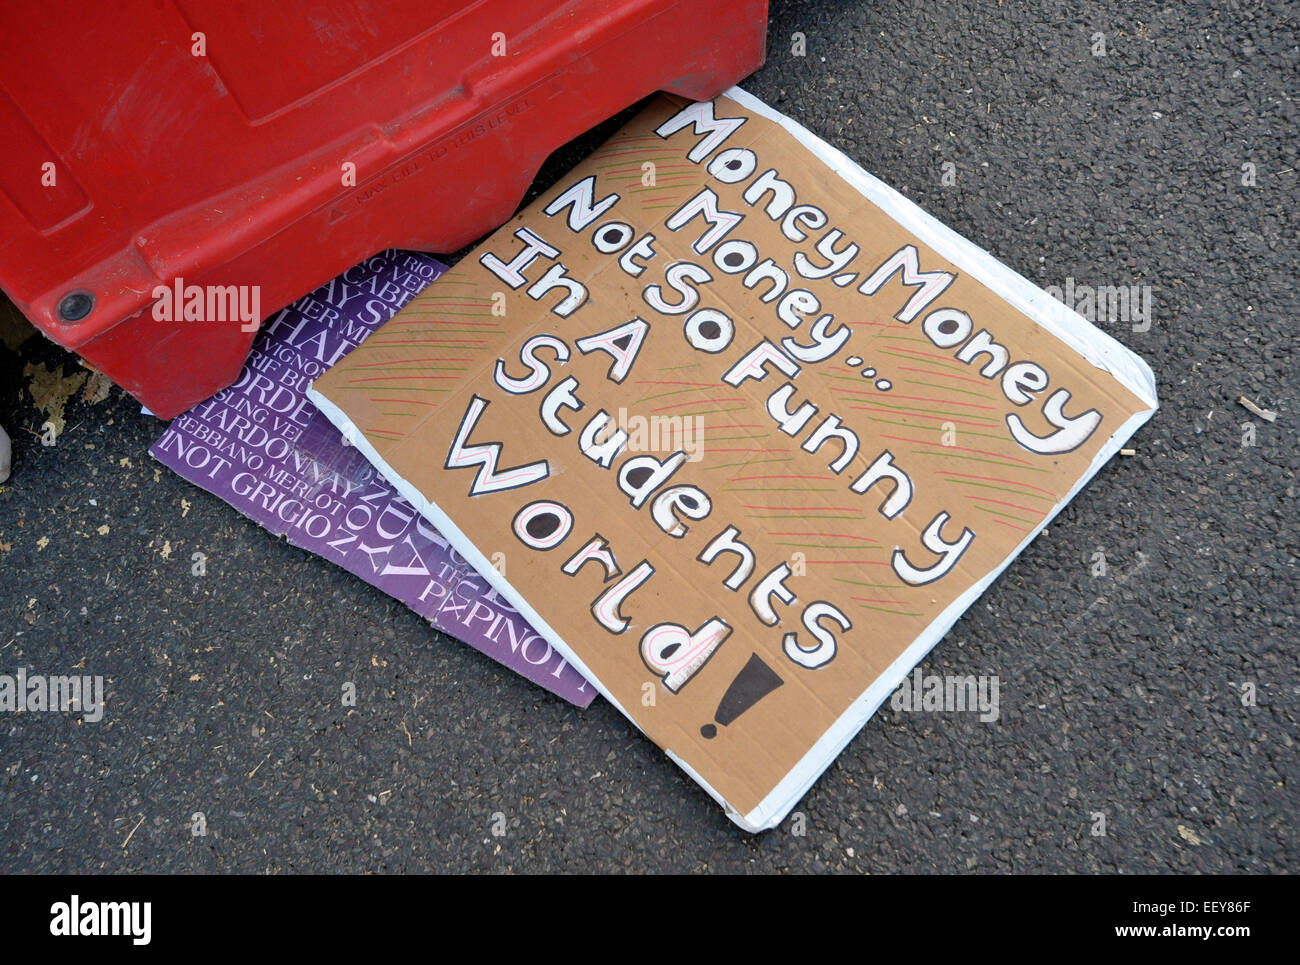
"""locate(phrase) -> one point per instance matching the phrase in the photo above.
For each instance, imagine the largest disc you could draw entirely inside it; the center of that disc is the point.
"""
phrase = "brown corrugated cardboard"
(743, 430)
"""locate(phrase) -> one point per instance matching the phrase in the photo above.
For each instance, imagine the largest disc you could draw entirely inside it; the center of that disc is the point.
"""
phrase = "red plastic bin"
(150, 140)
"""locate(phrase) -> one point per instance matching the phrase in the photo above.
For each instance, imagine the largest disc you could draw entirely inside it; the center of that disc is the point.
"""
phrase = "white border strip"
(1094, 345)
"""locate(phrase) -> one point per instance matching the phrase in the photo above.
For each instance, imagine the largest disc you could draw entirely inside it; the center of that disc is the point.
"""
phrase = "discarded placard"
(750, 428)
(263, 448)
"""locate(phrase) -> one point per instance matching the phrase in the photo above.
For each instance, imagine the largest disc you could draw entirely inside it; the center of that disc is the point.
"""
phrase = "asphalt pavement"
(1156, 701)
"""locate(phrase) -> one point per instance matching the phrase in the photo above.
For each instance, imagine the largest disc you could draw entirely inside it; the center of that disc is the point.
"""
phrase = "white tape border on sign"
(1094, 345)
(1077, 332)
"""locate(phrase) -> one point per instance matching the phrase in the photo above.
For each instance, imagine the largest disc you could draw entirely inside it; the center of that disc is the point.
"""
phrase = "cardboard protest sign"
(749, 428)
(263, 448)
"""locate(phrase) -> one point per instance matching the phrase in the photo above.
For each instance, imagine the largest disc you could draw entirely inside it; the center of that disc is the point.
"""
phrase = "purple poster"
(263, 448)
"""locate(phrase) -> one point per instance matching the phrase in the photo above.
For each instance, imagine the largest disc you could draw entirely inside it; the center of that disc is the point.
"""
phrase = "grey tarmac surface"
(1120, 694)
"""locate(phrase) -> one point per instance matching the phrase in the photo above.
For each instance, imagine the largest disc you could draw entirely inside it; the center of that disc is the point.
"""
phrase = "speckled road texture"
(1120, 694)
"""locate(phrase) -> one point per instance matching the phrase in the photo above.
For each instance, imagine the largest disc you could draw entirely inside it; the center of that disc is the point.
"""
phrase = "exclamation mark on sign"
(754, 682)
